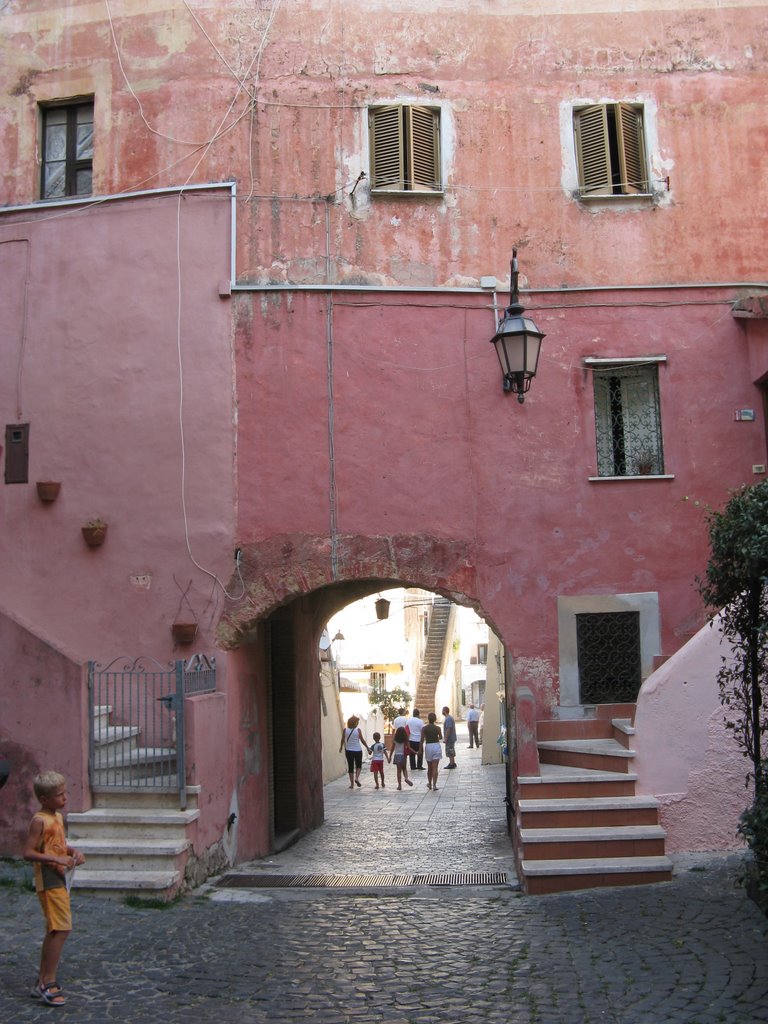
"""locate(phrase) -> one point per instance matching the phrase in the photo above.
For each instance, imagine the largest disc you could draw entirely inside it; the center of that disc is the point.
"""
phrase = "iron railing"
(136, 735)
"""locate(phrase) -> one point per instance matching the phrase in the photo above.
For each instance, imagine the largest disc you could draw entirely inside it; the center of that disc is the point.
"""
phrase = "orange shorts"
(56, 908)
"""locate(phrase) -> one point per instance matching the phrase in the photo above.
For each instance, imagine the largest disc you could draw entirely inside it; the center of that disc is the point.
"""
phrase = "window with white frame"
(628, 419)
(67, 150)
(610, 149)
(404, 148)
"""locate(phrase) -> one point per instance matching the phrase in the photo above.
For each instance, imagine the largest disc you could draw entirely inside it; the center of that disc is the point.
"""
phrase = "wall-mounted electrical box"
(17, 453)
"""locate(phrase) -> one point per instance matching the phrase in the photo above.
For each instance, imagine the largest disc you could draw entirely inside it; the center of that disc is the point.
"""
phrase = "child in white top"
(378, 753)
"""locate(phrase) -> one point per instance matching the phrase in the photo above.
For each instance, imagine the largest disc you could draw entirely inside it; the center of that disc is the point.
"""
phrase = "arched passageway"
(274, 640)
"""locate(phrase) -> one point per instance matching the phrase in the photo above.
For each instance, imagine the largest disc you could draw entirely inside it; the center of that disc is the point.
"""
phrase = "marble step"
(115, 883)
(592, 842)
(550, 876)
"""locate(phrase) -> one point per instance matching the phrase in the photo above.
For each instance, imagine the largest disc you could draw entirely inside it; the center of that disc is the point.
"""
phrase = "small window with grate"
(67, 150)
(404, 148)
(610, 150)
(628, 420)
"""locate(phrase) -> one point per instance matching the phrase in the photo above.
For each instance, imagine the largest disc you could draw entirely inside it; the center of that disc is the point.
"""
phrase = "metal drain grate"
(242, 881)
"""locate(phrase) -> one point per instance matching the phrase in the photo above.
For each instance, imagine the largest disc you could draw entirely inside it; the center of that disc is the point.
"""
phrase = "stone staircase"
(135, 842)
(579, 824)
(433, 656)
(135, 838)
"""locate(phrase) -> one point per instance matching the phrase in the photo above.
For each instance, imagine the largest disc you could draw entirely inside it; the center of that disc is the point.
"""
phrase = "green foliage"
(753, 827)
(735, 581)
(389, 702)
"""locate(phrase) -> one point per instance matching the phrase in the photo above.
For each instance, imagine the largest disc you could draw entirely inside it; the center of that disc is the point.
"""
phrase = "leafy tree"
(389, 702)
(736, 581)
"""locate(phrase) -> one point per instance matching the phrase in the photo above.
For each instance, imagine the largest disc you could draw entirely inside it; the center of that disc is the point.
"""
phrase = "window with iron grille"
(610, 149)
(628, 420)
(67, 150)
(404, 148)
(608, 646)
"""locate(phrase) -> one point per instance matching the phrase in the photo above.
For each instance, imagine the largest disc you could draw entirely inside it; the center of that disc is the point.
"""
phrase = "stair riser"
(593, 849)
(125, 831)
(574, 883)
(575, 759)
(574, 729)
(114, 753)
(116, 775)
(588, 818)
(118, 862)
(144, 800)
(565, 790)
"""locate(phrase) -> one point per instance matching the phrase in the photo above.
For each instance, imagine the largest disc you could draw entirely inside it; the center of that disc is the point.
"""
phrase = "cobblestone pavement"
(693, 951)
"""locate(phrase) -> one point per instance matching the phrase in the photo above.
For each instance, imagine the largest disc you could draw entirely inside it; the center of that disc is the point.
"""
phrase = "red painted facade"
(344, 420)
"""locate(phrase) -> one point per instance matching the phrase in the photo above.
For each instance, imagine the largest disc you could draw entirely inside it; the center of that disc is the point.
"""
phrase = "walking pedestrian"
(400, 756)
(431, 735)
(54, 860)
(449, 735)
(378, 753)
(473, 724)
(352, 741)
(416, 756)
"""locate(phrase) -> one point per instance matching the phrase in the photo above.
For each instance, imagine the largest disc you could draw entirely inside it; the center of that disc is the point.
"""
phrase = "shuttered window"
(405, 148)
(610, 149)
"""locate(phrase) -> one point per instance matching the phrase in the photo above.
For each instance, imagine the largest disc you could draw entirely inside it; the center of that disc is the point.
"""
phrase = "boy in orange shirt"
(48, 850)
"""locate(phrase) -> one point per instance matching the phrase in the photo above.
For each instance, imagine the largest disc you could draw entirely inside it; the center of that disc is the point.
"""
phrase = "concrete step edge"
(591, 833)
(153, 880)
(575, 775)
(597, 803)
(132, 816)
(606, 748)
(134, 848)
(596, 866)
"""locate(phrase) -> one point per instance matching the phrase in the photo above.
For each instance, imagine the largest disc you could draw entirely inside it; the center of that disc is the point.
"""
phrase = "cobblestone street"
(694, 951)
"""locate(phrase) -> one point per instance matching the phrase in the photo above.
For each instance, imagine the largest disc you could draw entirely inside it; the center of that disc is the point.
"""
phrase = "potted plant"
(184, 630)
(94, 532)
(48, 490)
(645, 464)
(389, 703)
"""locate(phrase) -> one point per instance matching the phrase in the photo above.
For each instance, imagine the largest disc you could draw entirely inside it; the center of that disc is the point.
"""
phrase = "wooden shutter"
(385, 129)
(593, 151)
(629, 135)
(423, 134)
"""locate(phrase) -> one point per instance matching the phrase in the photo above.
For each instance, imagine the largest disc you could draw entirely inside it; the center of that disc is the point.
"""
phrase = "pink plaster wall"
(685, 755)
(43, 720)
(501, 77)
(89, 358)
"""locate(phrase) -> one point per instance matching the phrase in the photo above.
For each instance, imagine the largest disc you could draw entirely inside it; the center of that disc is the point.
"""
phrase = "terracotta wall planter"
(94, 536)
(48, 490)
(184, 632)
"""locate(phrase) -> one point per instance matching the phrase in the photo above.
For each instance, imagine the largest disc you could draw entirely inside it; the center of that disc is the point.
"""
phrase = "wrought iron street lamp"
(517, 341)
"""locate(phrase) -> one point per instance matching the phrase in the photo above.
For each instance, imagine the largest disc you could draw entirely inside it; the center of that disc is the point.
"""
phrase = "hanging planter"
(382, 608)
(184, 632)
(48, 490)
(94, 533)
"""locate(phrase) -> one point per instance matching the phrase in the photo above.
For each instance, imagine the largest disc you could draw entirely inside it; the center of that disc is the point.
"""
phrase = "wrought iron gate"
(136, 735)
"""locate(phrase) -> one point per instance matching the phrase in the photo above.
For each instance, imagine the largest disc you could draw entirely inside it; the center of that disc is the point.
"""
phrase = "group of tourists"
(414, 742)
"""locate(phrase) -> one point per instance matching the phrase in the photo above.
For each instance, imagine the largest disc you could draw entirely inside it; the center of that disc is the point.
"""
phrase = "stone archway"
(293, 585)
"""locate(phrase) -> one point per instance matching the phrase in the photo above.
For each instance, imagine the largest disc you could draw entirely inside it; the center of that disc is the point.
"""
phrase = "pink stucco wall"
(90, 357)
(685, 755)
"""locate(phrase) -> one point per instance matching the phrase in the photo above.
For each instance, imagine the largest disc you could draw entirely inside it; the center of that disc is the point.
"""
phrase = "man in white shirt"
(473, 724)
(415, 725)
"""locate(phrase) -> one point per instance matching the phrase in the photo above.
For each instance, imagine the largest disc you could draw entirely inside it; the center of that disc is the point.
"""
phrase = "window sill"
(407, 193)
(646, 476)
